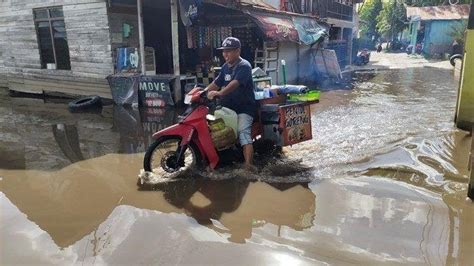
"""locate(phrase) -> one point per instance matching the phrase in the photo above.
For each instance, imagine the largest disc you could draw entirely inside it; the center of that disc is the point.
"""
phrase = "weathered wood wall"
(87, 30)
(3, 43)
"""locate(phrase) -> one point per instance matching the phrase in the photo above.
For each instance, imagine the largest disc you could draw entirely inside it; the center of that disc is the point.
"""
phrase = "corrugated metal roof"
(234, 3)
(259, 3)
(449, 12)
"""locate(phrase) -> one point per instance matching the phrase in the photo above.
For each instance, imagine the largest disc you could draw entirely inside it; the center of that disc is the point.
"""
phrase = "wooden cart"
(282, 122)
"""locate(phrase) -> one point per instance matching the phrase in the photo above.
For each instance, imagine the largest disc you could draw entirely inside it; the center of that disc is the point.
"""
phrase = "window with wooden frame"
(52, 38)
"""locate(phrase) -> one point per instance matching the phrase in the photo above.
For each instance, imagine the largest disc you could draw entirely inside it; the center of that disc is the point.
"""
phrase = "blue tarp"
(310, 31)
(280, 26)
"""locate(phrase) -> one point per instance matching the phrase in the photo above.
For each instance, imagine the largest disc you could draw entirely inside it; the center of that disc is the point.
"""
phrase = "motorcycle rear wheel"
(160, 157)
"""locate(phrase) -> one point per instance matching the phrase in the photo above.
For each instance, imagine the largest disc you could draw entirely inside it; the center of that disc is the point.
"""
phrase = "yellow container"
(224, 138)
(229, 116)
(217, 125)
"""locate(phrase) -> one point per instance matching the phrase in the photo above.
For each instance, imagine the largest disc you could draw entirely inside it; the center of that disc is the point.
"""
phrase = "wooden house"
(60, 46)
(434, 26)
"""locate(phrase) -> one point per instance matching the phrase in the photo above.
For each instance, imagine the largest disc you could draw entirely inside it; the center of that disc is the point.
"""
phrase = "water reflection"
(438, 164)
(207, 200)
(365, 219)
(67, 138)
(136, 126)
(46, 136)
(55, 200)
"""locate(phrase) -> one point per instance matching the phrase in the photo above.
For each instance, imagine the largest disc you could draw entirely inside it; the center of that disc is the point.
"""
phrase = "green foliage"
(368, 15)
(433, 2)
(388, 17)
(391, 20)
(457, 31)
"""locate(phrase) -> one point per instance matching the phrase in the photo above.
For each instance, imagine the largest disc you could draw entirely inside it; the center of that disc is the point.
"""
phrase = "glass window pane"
(41, 13)
(45, 43)
(56, 12)
(59, 29)
(61, 45)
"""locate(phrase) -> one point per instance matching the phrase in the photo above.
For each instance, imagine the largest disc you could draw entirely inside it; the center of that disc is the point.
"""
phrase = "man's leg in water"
(245, 137)
(248, 154)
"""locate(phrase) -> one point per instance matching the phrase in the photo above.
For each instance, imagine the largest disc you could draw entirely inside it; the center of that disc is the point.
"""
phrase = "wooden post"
(141, 36)
(470, 191)
(298, 63)
(464, 117)
(175, 43)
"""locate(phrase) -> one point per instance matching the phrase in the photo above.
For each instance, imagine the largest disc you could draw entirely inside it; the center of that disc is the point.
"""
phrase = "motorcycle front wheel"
(161, 157)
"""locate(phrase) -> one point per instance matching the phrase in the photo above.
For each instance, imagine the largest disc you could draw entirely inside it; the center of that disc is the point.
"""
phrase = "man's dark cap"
(230, 43)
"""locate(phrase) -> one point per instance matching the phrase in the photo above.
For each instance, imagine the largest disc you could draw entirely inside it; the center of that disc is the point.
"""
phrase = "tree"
(368, 15)
(391, 19)
(434, 2)
(457, 32)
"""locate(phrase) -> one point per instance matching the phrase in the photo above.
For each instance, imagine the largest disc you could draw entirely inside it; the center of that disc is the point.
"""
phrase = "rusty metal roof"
(259, 3)
(449, 12)
(234, 3)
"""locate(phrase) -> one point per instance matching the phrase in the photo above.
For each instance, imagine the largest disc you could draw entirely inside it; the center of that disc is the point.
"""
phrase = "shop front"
(267, 36)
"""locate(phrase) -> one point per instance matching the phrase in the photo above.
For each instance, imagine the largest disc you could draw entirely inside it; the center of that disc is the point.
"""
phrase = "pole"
(141, 36)
(175, 43)
(283, 69)
(470, 191)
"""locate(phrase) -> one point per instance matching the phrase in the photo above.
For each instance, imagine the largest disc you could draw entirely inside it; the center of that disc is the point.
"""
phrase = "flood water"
(383, 181)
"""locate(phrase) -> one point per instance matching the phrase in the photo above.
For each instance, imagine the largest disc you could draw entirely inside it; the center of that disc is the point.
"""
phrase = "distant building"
(432, 26)
(340, 14)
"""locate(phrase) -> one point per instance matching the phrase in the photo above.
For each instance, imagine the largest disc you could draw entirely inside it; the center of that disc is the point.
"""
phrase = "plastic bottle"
(266, 93)
(229, 116)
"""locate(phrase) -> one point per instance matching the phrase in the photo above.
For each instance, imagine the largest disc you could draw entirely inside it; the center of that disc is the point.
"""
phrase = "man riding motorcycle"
(234, 86)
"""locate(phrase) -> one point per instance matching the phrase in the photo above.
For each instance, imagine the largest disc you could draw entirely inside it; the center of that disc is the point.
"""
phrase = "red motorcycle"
(363, 57)
(186, 144)
(194, 141)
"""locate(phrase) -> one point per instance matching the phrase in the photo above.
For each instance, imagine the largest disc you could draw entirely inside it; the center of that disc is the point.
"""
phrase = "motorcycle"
(200, 141)
(418, 48)
(363, 57)
(189, 143)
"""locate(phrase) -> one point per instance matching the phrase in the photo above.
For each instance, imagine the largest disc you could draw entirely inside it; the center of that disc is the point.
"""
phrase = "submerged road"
(383, 181)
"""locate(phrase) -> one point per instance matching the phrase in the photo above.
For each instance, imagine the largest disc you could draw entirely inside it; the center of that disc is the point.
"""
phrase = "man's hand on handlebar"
(213, 94)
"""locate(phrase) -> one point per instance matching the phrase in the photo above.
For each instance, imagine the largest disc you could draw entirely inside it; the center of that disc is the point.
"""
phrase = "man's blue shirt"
(242, 99)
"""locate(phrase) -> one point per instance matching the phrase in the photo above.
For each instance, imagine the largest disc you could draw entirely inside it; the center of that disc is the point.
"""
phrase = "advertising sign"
(154, 91)
(295, 120)
(189, 11)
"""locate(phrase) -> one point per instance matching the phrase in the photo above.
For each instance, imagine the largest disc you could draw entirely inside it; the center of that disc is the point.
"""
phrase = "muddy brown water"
(383, 181)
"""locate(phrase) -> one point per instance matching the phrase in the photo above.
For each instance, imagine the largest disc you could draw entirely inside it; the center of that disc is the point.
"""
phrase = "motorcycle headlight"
(187, 99)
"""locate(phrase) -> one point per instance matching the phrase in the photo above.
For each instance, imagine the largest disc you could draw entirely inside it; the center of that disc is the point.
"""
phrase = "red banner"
(275, 27)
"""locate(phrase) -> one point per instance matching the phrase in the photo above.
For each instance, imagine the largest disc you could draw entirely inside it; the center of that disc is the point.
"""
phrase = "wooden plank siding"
(3, 43)
(88, 35)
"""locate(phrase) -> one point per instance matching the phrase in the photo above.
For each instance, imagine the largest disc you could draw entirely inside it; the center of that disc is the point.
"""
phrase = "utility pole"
(141, 36)
(175, 44)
